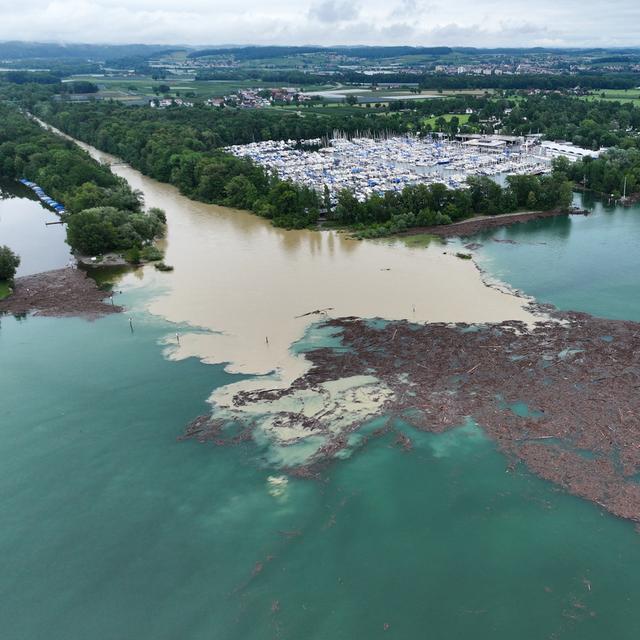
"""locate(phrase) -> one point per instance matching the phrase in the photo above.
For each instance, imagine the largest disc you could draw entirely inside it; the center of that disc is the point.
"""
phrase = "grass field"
(617, 95)
(462, 117)
(4, 289)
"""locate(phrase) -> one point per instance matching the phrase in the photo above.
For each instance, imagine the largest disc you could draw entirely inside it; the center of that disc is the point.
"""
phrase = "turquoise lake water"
(113, 529)
(583, 263)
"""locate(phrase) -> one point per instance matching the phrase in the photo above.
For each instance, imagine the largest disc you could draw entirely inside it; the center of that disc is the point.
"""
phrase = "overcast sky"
(418, 22)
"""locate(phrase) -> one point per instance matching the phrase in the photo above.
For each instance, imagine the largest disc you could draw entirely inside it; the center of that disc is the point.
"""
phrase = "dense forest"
(184, 147)
(71, 176)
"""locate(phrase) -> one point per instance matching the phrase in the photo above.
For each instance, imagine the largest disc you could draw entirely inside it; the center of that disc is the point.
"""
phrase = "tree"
(93, 231)
(103, 229)
(9, 263)
(241, 192)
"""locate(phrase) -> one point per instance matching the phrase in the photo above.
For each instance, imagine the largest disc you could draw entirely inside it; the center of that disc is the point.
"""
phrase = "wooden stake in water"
(131, 324)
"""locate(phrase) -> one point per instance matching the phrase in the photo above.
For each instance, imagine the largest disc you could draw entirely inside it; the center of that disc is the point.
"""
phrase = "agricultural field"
(134, 88)
(617, 95)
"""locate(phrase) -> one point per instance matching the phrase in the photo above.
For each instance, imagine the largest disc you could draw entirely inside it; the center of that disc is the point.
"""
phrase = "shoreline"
(66, 292)
(475, 225)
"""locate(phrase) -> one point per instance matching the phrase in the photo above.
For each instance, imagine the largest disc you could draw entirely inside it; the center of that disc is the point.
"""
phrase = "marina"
(368, 166)
(56, 206)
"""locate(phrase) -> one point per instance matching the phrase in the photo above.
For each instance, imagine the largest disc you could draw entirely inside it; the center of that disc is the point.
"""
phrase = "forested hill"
(372, 52)
(82, 52)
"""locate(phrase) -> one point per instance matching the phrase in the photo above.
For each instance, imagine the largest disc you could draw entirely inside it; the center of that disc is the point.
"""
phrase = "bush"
(151, 253)
(132, 255)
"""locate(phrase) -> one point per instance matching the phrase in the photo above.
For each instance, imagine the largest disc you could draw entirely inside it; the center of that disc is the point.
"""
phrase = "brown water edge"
(578, 376)
(58, 293)
(482, 223)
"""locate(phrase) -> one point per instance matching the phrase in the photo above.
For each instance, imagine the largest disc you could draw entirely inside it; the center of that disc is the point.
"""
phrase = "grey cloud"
(329, 22)
(331, 11)
(412, 9)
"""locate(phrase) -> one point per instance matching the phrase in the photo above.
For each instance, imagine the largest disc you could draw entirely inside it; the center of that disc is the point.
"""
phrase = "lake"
(114, 528)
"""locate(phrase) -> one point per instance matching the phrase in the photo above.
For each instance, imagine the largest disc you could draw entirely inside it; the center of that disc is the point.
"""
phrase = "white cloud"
(419, 22)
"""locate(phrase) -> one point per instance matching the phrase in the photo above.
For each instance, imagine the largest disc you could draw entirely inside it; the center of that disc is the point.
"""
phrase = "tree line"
(431, 205)
(613, 173)
(103, 212)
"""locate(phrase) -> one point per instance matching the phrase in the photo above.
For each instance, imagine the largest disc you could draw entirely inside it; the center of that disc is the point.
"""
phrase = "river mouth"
(249, 283)
(251, 290)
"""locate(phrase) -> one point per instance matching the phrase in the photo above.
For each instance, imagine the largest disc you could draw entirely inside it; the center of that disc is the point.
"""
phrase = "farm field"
(618, 95)
(131, 88)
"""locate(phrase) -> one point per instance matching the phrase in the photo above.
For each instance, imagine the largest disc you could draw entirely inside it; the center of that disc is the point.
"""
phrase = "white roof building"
(568, 150)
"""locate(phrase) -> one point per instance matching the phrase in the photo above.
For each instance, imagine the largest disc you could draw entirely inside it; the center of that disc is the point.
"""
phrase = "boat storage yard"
(366, 165)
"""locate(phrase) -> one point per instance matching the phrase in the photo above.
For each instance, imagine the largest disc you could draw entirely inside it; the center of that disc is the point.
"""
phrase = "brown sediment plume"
(58, 293)
(483, 223)
(562, 397)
